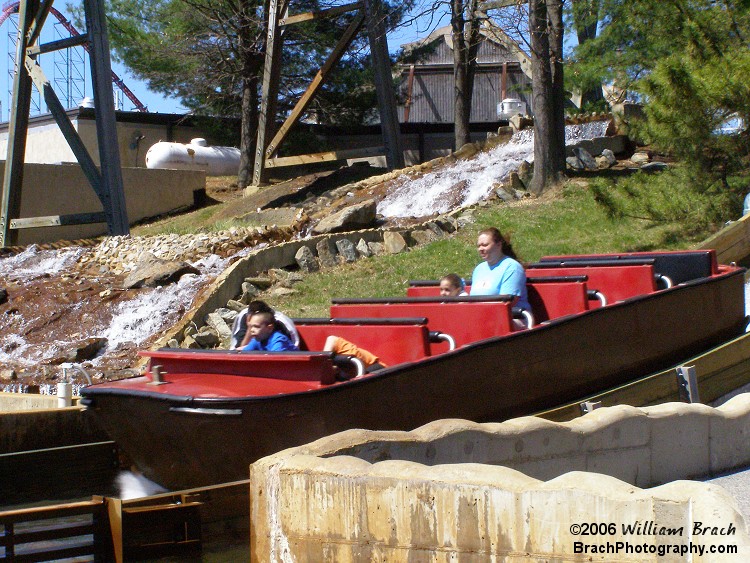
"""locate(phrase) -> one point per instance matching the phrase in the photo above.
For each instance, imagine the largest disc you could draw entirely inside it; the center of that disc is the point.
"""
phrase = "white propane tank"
(510, 107)
(215, 161)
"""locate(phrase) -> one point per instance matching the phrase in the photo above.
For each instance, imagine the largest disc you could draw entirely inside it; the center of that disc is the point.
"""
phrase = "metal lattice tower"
(68, 69)
(105, 178)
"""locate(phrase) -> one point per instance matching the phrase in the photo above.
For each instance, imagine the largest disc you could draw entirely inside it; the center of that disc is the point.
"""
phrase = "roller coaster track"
(12, 8)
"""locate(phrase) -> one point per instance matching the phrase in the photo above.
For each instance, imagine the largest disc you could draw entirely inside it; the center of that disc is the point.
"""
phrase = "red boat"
(201, 417)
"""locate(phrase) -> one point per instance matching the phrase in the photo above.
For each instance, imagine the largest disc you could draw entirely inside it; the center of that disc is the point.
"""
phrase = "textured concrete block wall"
(441, 493)
(50, 189)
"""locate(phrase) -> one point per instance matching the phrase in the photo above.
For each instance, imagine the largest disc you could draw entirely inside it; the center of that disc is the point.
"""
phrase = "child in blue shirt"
(261, 326)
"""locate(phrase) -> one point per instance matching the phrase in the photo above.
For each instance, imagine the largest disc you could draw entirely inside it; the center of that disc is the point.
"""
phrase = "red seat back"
(392, 343)
(615, 282)
(464, 321)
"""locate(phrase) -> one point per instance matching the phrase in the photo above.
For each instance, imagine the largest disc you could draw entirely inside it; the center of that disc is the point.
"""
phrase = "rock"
(654, 166)
(8, 374)
(189, 342)
(363, 249)
(190, 330)
(394, 242)
(435, 228)
(516, 183)
(80, 351)
(235, 305)
(466, 151)
(3, 296)
(640, 158)
(261, 282)
(306, 260)
(249, 292)
(172, 343)
(353, 217)
(326, 255)
(423, 236)
(157, 272)
(525, 172)
(606, 160)
(504, 194)
(376, 248)
(295, 277)
(282, 291)
(346, 249)
(203, 339)
(448, 224)
(585, 157)
(574, 162)
(222, 329)
(227, 314)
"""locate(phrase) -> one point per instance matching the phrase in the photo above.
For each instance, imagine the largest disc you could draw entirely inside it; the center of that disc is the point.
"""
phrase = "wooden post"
(394, 152)
(409, 91)
(269, 90)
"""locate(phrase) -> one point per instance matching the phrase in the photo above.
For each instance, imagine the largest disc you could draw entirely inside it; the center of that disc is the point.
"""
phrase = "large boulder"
(153, 272)
(353, 217)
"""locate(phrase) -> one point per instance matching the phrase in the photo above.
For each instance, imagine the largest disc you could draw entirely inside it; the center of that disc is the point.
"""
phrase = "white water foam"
(33, 262)
(133, 485)
(152, 310)
(468, 181)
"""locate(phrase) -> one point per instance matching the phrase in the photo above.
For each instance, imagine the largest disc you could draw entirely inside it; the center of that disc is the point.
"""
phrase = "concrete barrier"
(61, 189)
(47, 428)
(438, 493)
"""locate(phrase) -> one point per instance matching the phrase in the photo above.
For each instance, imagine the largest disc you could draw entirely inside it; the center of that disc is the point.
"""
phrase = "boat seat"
(615, 282)
(557, 296)
(680, 266)
(466, 319)
(550, 297)
(292, 366)
(394, 341)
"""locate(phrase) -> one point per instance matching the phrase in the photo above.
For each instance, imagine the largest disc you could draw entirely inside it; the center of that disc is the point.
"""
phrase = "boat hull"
(182, 441)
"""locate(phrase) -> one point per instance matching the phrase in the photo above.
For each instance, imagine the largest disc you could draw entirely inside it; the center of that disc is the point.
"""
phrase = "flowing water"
(469, 181)
(38, 280)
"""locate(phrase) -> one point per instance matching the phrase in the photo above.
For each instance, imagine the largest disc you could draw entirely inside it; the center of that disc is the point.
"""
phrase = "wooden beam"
(383, 77)
(409, 92)
(58, 220)
(319, 14)
(324, 157)
(321, 76)
(269, 87)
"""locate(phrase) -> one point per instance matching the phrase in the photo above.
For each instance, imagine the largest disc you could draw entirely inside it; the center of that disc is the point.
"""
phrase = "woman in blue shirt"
(500, 273)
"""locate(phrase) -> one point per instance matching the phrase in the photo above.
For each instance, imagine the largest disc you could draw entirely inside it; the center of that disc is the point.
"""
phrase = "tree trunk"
(465, 34)
(586, 20)
(248, 130)
(251, 67)
(548, 95)
(461, 96)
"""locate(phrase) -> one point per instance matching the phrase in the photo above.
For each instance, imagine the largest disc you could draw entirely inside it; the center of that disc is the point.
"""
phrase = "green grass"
(569, 223)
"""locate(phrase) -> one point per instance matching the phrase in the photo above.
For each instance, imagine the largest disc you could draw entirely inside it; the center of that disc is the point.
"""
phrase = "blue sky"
(155, 102)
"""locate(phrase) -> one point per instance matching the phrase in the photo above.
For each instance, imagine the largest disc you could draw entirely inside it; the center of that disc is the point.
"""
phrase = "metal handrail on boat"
(666, 280)
(595, 294)
(436, 336)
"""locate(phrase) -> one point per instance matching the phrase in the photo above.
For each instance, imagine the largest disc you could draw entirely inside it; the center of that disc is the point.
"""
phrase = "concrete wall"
(47, 428)
(438, 493)
(63, 189)
(45, 143)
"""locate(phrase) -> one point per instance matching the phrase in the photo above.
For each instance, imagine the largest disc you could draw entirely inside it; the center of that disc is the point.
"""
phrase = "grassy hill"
(566, 220)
